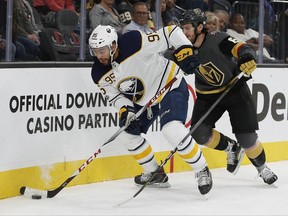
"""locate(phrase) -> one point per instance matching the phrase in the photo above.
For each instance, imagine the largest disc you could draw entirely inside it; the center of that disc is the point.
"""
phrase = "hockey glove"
(186, 60)
(247, 63)
(125, 115)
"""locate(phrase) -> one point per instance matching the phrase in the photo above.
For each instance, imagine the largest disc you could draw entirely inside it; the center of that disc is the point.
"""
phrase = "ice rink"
(242, 194)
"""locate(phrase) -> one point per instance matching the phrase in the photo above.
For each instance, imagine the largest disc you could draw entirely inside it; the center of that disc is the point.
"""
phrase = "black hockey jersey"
(218, 64)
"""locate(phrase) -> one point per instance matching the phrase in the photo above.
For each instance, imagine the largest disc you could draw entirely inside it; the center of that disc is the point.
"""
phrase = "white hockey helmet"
(103, 35)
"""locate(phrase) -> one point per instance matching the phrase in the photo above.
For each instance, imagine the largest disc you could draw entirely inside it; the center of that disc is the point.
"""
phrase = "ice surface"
(242, 194)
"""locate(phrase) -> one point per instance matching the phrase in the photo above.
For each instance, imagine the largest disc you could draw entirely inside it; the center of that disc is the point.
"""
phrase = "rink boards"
(54, 119)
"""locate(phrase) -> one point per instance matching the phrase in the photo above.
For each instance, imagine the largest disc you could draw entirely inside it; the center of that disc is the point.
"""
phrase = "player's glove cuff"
(125, 115)
(186, 60)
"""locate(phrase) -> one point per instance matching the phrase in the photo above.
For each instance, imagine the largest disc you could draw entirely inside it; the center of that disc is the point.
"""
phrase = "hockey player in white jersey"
(130, 71)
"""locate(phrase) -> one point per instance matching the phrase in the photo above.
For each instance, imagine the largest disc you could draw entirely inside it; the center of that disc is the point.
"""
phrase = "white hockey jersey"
(139, 71)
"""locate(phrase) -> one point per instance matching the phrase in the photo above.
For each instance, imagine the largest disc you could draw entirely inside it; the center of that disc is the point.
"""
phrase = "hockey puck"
(36, 196)
(22, 190)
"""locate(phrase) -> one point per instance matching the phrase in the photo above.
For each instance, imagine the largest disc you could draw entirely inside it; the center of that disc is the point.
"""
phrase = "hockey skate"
(204, 179)
(235, 154)
(159, 180)
(268, 176)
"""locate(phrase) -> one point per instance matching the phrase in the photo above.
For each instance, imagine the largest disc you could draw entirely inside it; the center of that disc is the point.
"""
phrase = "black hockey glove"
(186, 60)
(247, 63)
(125, 114)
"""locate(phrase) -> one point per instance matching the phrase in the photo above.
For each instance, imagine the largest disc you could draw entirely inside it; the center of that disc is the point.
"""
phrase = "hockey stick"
(38, 194)
(229, 87)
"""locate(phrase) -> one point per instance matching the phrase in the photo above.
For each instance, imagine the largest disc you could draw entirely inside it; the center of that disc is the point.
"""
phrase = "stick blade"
(29, 192)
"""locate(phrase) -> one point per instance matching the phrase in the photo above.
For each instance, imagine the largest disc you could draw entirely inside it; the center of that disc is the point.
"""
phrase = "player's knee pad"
(202, 134)
(247, 140)
(174, 132)
(129, 140)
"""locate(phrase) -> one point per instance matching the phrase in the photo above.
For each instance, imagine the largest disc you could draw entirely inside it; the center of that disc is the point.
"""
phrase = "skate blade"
(241, 156)
(157, 185)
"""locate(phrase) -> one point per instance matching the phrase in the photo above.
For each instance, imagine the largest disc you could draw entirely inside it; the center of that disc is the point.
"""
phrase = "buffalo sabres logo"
(133, 88)
(211, 74)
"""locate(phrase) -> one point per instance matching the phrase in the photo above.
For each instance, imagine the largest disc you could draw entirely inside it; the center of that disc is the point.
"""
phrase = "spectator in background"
(18, 50)
(3, 33)
(125, 10)
(166, 18)
(250, 36)
(223, 19)
(105, 14)
(45, 6)
(191, 4)
(36, 27)
(212, 23)
(140, 15)
(48, 8)
(25, 31)
(3, 50)
(173, 11)
(89, 5)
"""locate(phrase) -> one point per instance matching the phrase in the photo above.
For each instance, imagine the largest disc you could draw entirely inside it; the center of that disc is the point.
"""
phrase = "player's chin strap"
(26, 191)
(229, 87)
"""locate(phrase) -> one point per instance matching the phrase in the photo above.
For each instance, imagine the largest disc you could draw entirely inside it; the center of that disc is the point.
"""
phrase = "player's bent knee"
(247, 140)
(202, 134)
(174, 132)
(130, 140)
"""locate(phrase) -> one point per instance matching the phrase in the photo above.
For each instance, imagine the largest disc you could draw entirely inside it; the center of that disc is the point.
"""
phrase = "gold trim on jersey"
(215, 91)
(235, 49)
(169, 28)
(212, 91)
(170, 77)
(122, 110)
(211, 74)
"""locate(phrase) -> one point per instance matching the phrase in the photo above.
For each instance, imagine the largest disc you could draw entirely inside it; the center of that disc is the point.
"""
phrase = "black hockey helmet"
(194, 16)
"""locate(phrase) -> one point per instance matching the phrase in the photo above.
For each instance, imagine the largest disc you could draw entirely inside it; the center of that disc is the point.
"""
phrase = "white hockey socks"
(141, 151)
(174, 132)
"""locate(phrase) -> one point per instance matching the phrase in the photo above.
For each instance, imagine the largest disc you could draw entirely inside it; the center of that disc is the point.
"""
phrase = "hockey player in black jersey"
(222, 58)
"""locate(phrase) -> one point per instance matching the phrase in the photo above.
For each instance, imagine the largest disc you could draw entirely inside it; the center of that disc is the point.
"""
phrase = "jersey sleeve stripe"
(170, 77)
(114, 98)
(236, 48)
(171, 30)
(166, 39)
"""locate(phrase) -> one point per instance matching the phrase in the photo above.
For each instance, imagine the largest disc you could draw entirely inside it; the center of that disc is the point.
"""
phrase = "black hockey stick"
(37, 194)
(229, 87)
